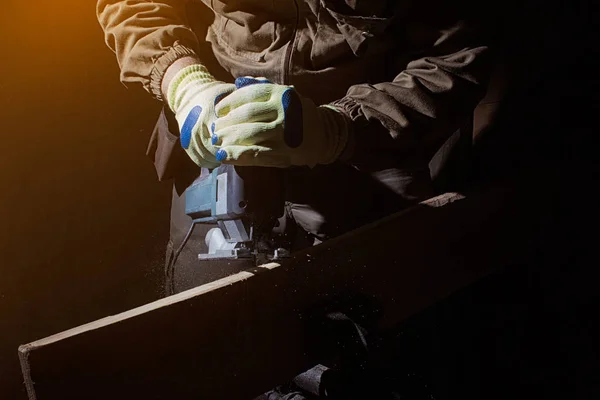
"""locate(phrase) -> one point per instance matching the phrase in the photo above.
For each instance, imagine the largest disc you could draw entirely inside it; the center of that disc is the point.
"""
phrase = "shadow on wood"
(237, 337)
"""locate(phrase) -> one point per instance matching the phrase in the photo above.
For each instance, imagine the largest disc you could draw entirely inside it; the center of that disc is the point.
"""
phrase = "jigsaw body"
(245, 204)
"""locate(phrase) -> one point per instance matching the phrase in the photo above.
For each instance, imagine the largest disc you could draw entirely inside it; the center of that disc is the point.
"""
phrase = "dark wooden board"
(239, 336)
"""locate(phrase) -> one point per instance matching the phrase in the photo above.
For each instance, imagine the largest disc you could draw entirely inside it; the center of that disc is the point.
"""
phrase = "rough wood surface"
(239, 336)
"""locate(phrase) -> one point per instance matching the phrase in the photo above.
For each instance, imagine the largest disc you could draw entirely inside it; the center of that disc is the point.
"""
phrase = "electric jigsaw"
(244, 203)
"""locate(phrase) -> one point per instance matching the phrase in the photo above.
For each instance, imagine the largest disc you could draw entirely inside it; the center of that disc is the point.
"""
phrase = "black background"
(84, 220)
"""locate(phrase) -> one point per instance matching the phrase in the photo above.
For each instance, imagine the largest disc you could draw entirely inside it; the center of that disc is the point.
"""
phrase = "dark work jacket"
(408, 73)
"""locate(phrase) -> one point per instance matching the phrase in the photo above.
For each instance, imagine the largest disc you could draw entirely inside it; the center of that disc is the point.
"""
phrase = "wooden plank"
(239, 336)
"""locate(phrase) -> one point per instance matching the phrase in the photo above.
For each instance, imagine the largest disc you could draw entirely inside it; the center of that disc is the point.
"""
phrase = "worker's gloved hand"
(264, 124)
(192, 95)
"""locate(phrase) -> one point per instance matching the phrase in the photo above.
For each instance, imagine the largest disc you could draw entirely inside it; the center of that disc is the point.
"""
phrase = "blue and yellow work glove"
(192, 95)
(270, 125)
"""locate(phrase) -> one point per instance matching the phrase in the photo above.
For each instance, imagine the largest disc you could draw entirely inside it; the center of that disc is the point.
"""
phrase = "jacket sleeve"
(425, 103)
(147, 37)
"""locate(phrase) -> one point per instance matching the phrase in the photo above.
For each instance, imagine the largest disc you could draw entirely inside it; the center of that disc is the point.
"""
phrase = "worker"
(351, 98)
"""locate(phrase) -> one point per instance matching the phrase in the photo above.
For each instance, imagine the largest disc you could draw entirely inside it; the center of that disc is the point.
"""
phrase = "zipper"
(287, 62)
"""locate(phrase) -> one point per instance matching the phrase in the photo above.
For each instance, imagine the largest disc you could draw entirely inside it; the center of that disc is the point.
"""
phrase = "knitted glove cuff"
(192, 75)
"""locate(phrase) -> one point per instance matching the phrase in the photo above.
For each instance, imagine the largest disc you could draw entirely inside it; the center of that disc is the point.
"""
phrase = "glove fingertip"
(293, 133)
(248, 80)
(221, 155)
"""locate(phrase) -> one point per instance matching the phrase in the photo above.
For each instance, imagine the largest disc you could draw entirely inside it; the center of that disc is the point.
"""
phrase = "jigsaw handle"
(216, 196)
